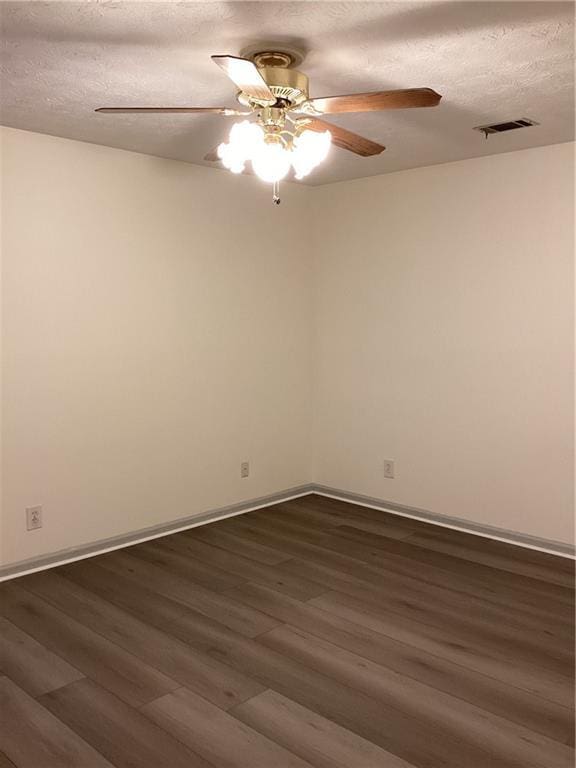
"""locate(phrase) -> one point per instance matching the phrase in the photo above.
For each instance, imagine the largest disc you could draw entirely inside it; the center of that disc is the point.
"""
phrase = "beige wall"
(156, 334)
(445, 339)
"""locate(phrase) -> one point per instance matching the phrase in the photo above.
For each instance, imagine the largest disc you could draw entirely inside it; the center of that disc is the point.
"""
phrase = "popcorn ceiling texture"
(491, 61)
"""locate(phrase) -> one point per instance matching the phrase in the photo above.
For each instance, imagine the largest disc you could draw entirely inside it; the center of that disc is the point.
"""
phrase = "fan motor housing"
(286, 84)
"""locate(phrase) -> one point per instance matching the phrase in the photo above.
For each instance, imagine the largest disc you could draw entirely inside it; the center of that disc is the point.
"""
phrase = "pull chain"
(276, 192)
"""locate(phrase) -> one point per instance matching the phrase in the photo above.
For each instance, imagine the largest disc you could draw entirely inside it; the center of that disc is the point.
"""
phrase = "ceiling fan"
(288, 131)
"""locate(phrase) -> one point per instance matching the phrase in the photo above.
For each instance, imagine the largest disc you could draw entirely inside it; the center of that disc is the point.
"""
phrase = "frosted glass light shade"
(245, 137)
(271, 160)
(310, 149)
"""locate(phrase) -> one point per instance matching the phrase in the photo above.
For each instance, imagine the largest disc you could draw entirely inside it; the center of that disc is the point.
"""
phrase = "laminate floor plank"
(555, 599)
(490, 588)
(240, 652)
(96, 657)
(471, 553)
(223, 740)
(362, 545)
(281, 526)
(252, 550)
(312, 633)
(248, 570)
(320, 522)
(387, 577)
(439, 606)
(390, 581)
(512, 553)
(365, 516)
(320, 519)
(338, 702)
(377, 646)
(465, 648)
(422, 702)
(313, 521)
(32, 737)
(317, 740)
(191, 569)
(29, 664)
(238, 617)
(555, 586)
(359, 513)
(562, 594)
(381, 724)
(500, 562)
(5, 761)
(175, 618)
(369, 525)
(124, 735)
(210, 678)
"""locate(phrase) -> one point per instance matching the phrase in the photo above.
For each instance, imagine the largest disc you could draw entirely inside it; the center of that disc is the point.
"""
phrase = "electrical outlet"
(245, 469)
(389, 469)
(33, 518)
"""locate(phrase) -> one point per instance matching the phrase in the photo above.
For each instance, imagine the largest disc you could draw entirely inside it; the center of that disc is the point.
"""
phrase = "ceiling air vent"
(510, 125)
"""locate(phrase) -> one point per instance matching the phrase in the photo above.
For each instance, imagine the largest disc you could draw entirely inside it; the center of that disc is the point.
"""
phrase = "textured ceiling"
(491, 61)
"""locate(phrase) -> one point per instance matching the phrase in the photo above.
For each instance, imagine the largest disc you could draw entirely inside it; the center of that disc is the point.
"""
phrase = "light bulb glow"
(231, 159)
(271, 162)
(310, 149)
(270, 156)
(244, 138)
(247, 136)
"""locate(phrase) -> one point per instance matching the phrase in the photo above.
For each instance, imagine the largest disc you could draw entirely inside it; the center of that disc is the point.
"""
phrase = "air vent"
(510, 125)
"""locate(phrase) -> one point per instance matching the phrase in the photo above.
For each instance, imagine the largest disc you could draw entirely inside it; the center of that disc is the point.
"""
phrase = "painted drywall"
(445, 339)
(156, 333)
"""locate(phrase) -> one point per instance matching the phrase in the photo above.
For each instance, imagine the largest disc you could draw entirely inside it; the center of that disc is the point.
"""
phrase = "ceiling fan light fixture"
(272, 151)
(287, 131)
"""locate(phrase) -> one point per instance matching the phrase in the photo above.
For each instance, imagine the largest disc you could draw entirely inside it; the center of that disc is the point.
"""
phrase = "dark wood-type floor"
(312, 633)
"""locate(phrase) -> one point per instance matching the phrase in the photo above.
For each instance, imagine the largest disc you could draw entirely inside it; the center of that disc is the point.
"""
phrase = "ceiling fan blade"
(346, 139)
(246, 76)
(372, 102)
(170, 110)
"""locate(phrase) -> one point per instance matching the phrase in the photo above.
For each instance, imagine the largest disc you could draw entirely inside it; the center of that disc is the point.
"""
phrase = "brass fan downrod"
(273, 59)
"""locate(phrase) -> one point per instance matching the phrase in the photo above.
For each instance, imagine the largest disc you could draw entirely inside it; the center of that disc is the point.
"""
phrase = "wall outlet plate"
(33, 518)
(245, 469)
(389, 469)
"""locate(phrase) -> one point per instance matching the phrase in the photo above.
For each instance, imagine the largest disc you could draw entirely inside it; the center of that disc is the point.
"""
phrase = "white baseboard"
(23, 567)
(41, 563)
